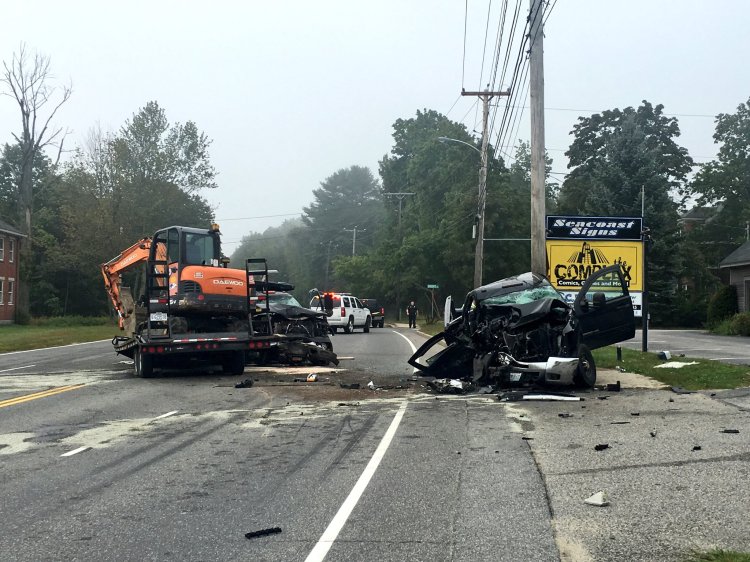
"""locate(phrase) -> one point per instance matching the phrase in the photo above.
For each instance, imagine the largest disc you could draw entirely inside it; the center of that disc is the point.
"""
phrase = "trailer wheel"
(144, 364)
(234, 364)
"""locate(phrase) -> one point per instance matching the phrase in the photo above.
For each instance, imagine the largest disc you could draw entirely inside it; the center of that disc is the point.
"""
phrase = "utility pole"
(538, 169)
(400, 197)
(485, 96)
(354, 237)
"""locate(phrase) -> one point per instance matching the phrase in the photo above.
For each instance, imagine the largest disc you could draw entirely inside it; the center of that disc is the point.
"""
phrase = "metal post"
(644, 297)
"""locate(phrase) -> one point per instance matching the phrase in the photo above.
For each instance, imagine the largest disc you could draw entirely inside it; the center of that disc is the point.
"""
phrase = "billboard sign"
(593, 228)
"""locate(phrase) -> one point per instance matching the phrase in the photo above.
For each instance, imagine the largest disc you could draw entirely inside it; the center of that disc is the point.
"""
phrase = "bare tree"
(28, 80)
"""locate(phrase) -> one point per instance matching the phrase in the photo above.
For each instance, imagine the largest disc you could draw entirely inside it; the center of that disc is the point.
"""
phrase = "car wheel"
(144, 364)
(333, 330)
(349, 328)
(585, 376)
(366, 329)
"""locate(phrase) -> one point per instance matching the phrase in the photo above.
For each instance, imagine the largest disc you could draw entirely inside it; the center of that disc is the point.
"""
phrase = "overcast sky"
(291, 91)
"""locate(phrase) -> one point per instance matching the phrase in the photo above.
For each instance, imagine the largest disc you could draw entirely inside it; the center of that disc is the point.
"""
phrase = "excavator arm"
(113, 269)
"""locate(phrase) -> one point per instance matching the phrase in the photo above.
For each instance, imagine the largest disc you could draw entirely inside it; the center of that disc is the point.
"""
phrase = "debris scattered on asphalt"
(671, 399)
(680, 390)
(263, 532)
(312, 377)
(247, 383)
(527, 438)
(450, 386)
(599, 499)
(565, 415)
(515, 396)
(697, 448)
(371, 385)
(621, 369)
(730, 430)
(614, 387)
(653, 433)
(601, 446)
(352, 386)
(618, 422)
(635, 413)
(602, 397)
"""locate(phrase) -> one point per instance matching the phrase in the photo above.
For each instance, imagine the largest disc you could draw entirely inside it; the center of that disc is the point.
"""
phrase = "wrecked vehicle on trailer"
(306, 333)
(520, 331)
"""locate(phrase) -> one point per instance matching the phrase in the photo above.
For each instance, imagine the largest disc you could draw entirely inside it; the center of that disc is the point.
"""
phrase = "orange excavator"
(192, 306)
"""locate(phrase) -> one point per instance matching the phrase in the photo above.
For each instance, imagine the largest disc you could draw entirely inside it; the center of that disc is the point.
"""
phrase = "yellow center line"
(35, 395)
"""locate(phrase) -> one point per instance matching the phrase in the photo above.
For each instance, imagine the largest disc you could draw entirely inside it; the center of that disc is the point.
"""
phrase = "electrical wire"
(463, 64)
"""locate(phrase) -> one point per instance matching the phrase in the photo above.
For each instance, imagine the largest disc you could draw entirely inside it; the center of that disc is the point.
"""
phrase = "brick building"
(10, 242)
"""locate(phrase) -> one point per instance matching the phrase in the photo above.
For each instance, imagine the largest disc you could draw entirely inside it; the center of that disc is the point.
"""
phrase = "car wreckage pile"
(521, 332)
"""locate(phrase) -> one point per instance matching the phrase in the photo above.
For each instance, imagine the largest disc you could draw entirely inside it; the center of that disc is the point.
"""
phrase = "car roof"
(512, 284)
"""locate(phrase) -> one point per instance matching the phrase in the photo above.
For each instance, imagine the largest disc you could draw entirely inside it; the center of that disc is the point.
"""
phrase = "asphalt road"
(99, 465)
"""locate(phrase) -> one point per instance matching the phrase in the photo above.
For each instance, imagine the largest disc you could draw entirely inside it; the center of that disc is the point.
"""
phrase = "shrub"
(723, 304)
(740, 324)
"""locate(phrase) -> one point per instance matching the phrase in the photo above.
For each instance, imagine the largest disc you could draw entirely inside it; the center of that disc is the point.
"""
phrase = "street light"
(479, 251)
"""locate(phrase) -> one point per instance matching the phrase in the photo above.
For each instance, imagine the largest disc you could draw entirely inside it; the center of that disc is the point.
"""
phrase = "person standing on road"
(411, 312)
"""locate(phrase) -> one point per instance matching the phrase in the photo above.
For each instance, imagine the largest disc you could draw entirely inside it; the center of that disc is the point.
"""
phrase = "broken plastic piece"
(353, 386)
(247, 383)
(601, 446)
(614, 387)
(665, 355)
(653, 433)
(552, 397)
(263, 532)
(599, 499)
(312, 377)
(697, 448)
(565, 415)
(371, 385)
(730, 430)
(635, 413)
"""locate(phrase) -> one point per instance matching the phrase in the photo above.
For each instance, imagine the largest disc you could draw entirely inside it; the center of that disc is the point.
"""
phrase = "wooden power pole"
(538, 169)
(485, 96)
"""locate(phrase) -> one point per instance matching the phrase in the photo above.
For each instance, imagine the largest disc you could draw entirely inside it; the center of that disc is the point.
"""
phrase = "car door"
(604, 308)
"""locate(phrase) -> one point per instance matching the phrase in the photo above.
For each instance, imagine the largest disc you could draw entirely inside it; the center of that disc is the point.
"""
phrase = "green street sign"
(433, 286)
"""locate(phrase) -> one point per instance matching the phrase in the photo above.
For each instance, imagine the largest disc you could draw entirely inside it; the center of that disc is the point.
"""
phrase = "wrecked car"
(306, 332)
(521, 331)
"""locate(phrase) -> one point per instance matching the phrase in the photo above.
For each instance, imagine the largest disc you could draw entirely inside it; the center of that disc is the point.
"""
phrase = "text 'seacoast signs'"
(593, 228)
(572, 261)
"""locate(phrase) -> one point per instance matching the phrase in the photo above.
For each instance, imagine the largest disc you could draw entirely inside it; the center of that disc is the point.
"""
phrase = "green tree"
(615, 156)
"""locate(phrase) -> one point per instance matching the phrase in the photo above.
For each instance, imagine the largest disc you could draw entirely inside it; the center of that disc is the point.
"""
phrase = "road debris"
(351, 386)
(450, 386)
(635, 413)
(652, 433)
(730, 430)
(599, 499)
(697, 448)
(618, 422)
(680, 390)
(666, 355)
(371, 385)
(247, 383)
(263, 532)
(312, 377)
(565, 415)
(675, 365)
(601, 447)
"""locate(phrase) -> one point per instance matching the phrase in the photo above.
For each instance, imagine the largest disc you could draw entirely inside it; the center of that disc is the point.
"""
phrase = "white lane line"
(413, 347)
(75, 451)
(17, 368)
(328, 537)
(172, 413)
(52, 347)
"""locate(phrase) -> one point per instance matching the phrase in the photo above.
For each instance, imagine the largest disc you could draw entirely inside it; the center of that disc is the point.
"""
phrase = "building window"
(12, 250)
(2, 287)
(11, 290)
(2, 249)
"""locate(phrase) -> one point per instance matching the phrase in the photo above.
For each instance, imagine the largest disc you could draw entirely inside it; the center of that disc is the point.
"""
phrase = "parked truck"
(191, 307)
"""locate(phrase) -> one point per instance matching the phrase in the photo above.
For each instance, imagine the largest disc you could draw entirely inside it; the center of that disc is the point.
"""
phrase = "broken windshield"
(542, 291)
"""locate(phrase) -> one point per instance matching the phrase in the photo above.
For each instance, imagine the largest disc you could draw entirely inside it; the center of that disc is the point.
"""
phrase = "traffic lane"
(89, 355)
(382, 352)
(458, 483)
(696, 343)
(192, 489)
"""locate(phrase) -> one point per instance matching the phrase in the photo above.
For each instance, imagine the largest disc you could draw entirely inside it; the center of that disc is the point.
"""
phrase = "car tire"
(382, 322)
(143, 364)
(585, 376)
(349, 328)
(366, 329)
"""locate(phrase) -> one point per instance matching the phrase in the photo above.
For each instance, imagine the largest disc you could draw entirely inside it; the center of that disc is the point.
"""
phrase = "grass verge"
(705, 374)
(53, 331)
(719, 556)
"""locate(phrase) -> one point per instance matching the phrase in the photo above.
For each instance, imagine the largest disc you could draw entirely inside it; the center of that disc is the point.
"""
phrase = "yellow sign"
(570, 262)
